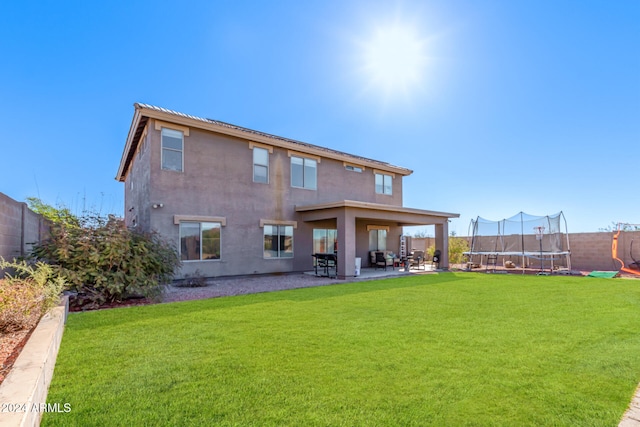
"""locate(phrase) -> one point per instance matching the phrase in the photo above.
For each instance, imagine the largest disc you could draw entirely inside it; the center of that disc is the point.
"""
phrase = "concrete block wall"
(592, 251)
(422, 243)
(20, 228)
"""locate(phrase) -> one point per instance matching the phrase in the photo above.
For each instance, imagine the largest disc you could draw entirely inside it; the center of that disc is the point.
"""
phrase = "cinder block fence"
(589, 251)
(20, 228)
(592, 251)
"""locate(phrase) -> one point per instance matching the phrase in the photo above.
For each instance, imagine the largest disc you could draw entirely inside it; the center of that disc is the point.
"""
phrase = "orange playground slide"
(614, 253)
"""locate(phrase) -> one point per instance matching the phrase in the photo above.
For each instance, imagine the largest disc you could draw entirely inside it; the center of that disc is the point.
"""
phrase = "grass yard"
(450, 349)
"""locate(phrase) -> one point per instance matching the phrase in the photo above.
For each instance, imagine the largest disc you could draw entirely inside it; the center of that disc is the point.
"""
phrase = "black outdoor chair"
(380, 260)
(436, 259)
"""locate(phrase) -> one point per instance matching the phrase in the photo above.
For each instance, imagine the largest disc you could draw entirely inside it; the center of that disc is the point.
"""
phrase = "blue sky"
(528, 105)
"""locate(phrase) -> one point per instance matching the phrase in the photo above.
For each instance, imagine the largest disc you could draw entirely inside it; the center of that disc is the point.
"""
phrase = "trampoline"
(528, 241)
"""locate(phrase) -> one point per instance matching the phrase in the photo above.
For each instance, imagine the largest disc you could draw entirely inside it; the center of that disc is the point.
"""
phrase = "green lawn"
(450, 349)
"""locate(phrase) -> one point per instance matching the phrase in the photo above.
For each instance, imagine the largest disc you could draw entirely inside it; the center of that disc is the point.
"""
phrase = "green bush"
(457, 247)
(56, 214)
(105, 262)
(26, 294)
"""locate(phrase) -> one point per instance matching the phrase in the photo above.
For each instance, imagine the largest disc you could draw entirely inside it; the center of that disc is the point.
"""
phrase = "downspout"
(522, 240)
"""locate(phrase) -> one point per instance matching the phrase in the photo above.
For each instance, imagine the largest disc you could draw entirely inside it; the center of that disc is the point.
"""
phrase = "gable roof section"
(143, 112)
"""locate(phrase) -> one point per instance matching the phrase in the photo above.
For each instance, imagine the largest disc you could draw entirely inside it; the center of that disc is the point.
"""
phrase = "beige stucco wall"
(217, 181)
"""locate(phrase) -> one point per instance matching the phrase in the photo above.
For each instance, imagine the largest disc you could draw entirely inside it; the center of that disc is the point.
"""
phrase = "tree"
(421, 234)
(58, 215)
(625, 227)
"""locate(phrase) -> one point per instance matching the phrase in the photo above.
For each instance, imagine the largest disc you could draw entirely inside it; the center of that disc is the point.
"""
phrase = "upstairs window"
(303, 173)
(260, 165)
(172, 148)
(384, 184)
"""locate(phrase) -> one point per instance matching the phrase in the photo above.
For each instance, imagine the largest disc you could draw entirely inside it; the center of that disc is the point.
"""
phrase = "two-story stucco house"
(238, 201)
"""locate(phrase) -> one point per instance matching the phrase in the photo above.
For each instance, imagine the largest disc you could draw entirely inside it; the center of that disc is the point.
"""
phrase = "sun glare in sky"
(394, 60)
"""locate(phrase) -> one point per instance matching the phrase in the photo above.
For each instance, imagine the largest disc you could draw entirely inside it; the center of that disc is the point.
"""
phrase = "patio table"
(325, 262)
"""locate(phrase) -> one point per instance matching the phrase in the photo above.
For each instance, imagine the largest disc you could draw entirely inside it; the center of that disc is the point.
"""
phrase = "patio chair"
(381, 261)
(417, 258)
(435, 263)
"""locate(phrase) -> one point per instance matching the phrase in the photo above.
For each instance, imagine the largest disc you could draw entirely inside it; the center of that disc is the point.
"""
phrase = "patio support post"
(442, 243)
(346, 243)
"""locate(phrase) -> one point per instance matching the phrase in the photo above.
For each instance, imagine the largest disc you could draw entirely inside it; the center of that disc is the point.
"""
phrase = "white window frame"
(259, 164)
(175, 133)
(278, 223)
(305, 160)
(387, 182)
(281, 232)
(201, 225)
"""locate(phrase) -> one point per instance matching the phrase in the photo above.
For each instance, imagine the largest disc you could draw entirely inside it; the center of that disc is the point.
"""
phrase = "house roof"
(144, 112)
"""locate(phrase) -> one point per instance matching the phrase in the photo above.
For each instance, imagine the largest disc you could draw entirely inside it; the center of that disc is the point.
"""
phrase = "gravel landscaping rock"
(221, 287)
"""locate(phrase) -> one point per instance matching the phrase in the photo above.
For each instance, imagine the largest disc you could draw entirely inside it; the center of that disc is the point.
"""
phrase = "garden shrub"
(103, 261)
(26, 293)
(457, 247)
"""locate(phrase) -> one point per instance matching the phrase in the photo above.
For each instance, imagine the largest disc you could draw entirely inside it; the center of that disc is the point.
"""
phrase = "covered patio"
(355, 219)
(369, 273)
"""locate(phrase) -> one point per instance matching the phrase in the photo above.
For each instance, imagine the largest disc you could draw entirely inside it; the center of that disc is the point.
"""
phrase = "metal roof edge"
(155, 112)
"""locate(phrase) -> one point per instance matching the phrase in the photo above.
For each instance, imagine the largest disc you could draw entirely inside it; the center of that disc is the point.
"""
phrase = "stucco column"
(346, 244)
(442, 243)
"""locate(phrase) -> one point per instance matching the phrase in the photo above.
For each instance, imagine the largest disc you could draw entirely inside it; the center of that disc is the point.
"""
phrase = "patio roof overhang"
(401, 215)
(346, 212)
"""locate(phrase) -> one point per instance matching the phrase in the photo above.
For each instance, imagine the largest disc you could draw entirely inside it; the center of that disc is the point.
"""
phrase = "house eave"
(151, 112)
(131, 145)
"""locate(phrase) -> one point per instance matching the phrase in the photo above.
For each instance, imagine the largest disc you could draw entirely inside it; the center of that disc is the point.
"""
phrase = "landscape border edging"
(23, 393)
(631, 417)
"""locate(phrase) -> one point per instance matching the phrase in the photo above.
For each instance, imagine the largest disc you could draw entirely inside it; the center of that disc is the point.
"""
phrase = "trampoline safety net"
(522, 235)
